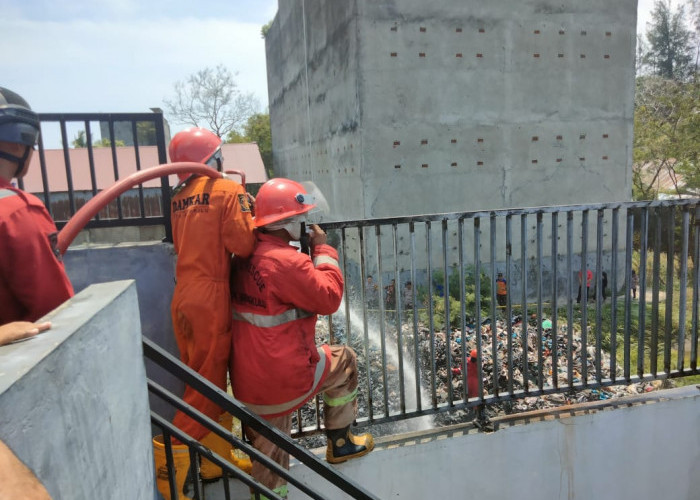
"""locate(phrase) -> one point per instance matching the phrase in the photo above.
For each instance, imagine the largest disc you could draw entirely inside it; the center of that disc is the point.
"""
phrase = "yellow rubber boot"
(239, 457)
(344, 445)
(181, 464)
(208, 470)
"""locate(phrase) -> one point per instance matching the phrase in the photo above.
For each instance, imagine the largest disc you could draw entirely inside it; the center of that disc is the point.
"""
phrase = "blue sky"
(126, 55)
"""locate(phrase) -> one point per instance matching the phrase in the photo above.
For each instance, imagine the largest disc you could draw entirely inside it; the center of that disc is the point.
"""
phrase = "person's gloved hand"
(317, 236)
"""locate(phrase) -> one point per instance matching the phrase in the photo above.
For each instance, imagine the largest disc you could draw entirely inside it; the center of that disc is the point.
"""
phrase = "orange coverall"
(211, 220)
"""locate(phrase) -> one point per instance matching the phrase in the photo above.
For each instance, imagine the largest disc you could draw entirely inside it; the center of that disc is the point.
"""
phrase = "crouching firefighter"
(276, 366)
(211, 219)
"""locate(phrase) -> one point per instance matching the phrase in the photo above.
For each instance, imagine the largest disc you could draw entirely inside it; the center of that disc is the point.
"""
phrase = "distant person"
(605, 285)
(589, 281)
(372, 293)
(33, 280)
(407, 296)
(390, 295)
(501, 290)
(634, 283)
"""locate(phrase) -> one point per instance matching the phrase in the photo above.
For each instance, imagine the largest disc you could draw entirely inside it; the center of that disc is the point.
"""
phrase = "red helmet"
(197, 145)
(280, 199)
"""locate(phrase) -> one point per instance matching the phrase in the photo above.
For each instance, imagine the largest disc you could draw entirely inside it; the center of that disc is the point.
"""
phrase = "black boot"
(344, 445)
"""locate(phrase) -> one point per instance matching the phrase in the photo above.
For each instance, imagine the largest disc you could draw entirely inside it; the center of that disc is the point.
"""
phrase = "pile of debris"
(527, 349)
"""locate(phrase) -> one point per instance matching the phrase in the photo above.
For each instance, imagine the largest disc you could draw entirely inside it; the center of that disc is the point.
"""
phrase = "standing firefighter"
(211, 220)
(33, 280)
(275, 365)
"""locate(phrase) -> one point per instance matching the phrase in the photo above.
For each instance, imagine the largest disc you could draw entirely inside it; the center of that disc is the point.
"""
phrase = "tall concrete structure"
(408, 107)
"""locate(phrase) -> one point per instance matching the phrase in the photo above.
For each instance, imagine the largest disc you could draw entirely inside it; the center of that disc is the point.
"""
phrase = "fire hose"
(76, 223)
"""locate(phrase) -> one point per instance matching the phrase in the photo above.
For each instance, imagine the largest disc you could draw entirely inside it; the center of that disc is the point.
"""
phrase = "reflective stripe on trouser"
(337, 387)
(202, 325)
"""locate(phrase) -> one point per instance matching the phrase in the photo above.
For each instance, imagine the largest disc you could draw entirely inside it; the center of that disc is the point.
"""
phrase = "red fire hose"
(76, 223)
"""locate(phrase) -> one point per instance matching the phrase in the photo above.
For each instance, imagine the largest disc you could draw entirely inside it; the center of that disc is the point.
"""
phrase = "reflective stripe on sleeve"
(284, 407)
(325, 259)
(271, 321)
(342, 400)
(4, 193)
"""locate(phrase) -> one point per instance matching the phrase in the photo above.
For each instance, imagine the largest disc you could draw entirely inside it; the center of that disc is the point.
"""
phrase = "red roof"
(242, 156)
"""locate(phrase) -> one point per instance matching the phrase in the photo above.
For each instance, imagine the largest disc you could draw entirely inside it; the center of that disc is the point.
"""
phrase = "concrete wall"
(152, 267)
(453, 105)
(74, 399)
(643, 452)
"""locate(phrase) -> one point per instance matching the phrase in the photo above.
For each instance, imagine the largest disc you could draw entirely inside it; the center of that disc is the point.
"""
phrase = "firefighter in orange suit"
(211, 219)
(275, 364)
(33, 280)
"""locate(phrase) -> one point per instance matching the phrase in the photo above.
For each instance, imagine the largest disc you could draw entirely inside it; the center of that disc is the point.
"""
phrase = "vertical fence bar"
(599, 296)
(540, 347)
(477, 307)
(696, 282)
(159, 123)
(91, 160)
(365, 323)
(399, 334)
(670, 252)
(115, 164)
(509, 312)
(462, 309)
(416, 339)
(569, 305)
(448, 326)
(431, 320)
(628, 299)
(382, 319)
(656, 266)
(134, 133)
(348, 324)
(644, 228)
(69, 170)
(584, 297)
(44, 177)
(555, 292)
(493, 310)
(523, 299)
(683, 293)
(613, 292)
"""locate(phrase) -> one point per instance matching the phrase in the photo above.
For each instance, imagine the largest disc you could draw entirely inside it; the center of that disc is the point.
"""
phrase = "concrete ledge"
(74, 399)
(645, 447)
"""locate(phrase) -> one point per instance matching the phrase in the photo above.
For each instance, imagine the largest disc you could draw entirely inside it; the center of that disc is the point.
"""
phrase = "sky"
(126, 55)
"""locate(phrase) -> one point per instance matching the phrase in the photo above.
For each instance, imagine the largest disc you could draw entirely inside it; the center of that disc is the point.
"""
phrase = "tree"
(80, 141)
(257, 129)
(211, 98)
(666, 135)
(670, 51)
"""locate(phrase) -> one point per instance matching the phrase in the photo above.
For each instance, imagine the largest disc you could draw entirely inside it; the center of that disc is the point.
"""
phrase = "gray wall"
(643, 452)
(74, 399)
(152, 266)
(397, 108)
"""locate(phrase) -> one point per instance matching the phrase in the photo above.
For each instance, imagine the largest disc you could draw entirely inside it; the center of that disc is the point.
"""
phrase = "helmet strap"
(20, 161)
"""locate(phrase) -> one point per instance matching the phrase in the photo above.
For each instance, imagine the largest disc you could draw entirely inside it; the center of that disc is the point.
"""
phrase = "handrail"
(165, 360)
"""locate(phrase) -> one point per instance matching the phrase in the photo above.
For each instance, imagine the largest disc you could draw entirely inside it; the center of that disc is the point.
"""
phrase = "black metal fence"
(549, 334)
(139, 206)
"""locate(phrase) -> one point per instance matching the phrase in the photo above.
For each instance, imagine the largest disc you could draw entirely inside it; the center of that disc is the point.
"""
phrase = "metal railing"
(248, 419)
(544, 342)
(134, 130)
